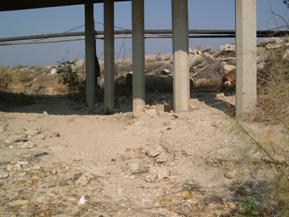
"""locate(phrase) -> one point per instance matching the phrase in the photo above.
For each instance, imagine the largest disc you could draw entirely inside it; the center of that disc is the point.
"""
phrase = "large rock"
(208, 77)
(228, 47)
(79, 63)
(195, 57)
(228, 68)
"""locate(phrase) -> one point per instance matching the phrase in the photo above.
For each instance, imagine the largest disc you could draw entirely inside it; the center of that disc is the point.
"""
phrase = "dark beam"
(32, 4)
(162, 33)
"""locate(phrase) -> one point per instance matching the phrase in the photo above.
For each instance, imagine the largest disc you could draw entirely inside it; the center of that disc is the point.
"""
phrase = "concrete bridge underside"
(246, 51)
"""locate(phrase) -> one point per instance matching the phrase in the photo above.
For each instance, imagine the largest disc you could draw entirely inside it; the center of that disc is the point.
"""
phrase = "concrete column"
(90, 56)
(180, 51)
(138, 56)
(246, 48)
(108, 56)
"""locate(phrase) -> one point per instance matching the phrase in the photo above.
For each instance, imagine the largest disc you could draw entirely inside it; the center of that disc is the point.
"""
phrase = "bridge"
(246, 50)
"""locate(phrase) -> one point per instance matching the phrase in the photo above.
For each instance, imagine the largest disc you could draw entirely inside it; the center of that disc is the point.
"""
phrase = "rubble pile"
(217, 68)
(213, 69)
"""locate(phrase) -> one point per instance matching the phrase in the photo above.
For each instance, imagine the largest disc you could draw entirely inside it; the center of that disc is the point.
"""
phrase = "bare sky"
(203, 14)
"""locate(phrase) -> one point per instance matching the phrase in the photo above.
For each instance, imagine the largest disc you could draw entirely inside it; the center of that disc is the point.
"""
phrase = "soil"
(58, 160)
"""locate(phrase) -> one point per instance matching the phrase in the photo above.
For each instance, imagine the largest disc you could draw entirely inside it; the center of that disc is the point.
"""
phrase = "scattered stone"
(27, 145)
(273, 46)
(14, 139)
(160, 108)
(82, 201)
(261, 66)
(22, 163)
(4, 175)
(167, 107)
(230, 174)
(157, 173)
(44, 200)
(151, 112)
(166, 72)
(56, 134)
(175, 116)
(286, 54)
(19, 203)
(36, 167)
(185, 194)
(154, 152)
(162, 158)
(100, 81)
(81, 181)
(220, 96)
(40, 154)
(138, 168)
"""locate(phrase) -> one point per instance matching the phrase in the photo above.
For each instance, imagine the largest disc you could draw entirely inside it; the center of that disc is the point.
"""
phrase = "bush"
(68, 76)
(248, 207)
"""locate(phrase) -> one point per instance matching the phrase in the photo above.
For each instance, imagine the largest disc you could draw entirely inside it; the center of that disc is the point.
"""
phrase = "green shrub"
(68, 76)
(248, 207)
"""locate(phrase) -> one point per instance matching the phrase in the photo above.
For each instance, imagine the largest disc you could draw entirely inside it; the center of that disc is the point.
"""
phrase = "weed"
(68, 76)
(248, 207)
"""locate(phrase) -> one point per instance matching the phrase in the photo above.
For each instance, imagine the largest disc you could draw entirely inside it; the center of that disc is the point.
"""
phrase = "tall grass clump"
(273, 85)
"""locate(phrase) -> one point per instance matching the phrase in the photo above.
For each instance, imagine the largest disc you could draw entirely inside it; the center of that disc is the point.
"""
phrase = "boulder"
(166, 72)
(228, 47)
(79, 63)
(195, 57)
(228, 68)
(53, 71)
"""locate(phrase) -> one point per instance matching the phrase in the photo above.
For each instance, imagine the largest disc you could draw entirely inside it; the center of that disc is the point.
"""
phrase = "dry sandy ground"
(162, 164)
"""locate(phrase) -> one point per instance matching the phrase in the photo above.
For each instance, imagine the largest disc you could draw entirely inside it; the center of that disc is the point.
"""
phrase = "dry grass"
(273, 107)
(273, 87)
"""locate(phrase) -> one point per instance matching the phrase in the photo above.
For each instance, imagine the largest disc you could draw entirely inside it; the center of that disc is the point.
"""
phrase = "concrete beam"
(138, 57)
(90, 55)
(180, 51)
(246, 48)
(108, 56)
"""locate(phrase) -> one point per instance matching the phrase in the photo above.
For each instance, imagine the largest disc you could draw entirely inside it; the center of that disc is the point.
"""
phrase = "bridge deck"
(30, 4)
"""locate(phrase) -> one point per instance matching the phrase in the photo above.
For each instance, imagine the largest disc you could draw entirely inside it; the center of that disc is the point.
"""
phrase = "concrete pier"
(180, 52)
(90, 54)
(109, 56)
(138, 57)
(246, 48)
